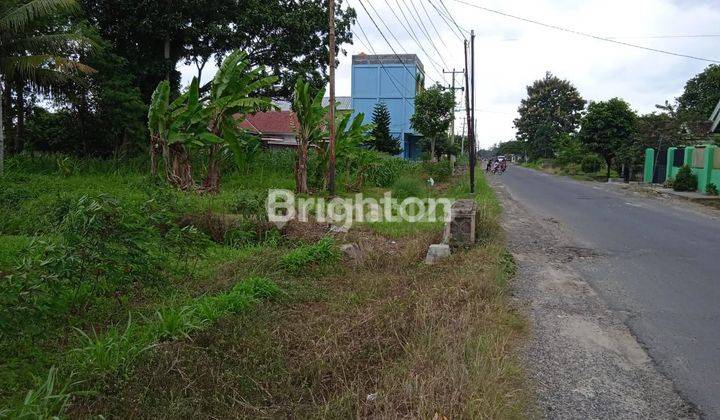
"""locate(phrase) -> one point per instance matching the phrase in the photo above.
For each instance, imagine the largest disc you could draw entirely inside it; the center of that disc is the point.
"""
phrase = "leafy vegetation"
(685, 180)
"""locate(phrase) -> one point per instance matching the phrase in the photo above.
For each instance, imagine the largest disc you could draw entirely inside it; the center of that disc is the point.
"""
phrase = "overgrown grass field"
(120, 296)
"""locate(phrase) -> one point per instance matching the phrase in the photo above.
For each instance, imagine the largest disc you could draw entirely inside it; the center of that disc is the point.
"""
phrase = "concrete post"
(460, 232)
(707, 168)
(670, 161)
(689, 151)
(649, 165)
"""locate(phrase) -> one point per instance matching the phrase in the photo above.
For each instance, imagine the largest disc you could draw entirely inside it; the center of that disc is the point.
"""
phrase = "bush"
(591, 164)
(409, 186)
(711, 189)
(685, 180)
(439, 171)
(324, 251)
(387, 170)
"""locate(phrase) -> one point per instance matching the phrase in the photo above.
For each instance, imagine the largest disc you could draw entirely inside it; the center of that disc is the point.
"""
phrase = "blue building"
(393, 80)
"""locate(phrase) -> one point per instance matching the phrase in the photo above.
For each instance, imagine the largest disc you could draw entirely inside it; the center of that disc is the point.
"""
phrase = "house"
(394, 80)
(275, 128)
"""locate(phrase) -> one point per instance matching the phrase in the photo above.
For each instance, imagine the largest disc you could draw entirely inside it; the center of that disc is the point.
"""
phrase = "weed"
(44, 402)
(711, 189)
(324, 251)
(174, 323)
(685, 180)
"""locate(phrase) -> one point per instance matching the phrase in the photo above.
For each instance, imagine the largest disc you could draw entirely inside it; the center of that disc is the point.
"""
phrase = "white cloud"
(510, 54)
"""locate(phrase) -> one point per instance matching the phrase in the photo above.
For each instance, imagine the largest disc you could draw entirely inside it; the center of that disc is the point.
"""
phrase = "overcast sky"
(510, 53)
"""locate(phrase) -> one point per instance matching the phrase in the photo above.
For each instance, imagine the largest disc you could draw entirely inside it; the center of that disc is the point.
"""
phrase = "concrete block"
(460, 231)
(437, 252)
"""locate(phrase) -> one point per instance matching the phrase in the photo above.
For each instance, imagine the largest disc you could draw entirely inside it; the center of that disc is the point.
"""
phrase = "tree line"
(556, 122)
(77, 76)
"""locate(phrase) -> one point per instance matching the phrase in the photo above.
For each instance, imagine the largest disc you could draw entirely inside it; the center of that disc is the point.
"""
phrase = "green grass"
(81, 332)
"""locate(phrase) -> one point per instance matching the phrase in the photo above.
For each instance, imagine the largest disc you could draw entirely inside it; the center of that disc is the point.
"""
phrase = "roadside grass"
(197, 314)
(391, 337)
(571, 170)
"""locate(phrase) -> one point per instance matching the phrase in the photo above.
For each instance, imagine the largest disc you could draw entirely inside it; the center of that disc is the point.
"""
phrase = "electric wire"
(587, 35)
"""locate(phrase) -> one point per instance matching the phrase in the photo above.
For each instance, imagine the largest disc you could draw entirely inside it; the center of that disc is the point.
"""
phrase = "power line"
(385, 38)
(450, 15)
(411, 30)
(421, 26)
(600, 38)
(422, 4)
(391, 32)
(453, 30)
(665, 36)
(390, 77)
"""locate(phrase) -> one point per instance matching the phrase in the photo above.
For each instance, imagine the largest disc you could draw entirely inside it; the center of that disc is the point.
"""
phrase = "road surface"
(657, 264)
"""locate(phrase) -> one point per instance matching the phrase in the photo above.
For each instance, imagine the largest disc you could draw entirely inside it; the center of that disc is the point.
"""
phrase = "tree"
(698, 100)
(607, 128)
(31, 53)
(433, 114)
(553, 107)
(205, 123)
(289, 37)
(309, 130)
(382, 140)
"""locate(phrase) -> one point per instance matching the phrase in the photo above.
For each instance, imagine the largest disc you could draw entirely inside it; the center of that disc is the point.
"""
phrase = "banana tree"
(209, 124)
(172, 125)
(231, 99)
(309, 130)
(350, 134)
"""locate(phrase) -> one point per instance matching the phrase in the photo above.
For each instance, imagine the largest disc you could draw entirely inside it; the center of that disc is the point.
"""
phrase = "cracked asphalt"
(624, 295)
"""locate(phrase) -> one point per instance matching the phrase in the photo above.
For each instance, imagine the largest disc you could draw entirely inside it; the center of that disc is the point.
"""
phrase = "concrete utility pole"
(452, 124)
(331, 123)
(471, 127)
(469, 116)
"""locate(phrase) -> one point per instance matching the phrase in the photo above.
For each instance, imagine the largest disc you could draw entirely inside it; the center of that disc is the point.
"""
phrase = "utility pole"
(331, 123)
(471, 108)
(469, 117)
(452, 124)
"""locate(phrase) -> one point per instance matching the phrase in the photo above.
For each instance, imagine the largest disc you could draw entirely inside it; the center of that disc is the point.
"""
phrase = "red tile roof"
(271, 122)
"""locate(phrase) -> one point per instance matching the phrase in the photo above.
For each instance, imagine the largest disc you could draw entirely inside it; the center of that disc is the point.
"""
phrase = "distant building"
(394, 80)
(275, 128)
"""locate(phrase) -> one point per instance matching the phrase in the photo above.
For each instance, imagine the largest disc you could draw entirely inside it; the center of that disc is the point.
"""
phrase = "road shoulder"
(582, 358)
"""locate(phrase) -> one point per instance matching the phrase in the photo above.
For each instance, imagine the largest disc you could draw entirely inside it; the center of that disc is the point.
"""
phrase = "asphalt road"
(657, 264)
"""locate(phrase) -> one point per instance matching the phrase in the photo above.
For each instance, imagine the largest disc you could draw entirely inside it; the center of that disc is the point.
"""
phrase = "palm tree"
(31, 55)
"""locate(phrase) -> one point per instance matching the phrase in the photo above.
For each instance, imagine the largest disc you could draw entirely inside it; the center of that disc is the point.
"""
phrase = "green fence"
(704, 161)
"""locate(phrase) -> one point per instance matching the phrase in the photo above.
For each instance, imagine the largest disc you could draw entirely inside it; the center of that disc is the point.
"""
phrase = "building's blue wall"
(394, 85)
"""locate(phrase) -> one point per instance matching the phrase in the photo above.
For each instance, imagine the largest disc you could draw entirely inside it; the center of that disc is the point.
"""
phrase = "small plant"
(685, 180)
(711, 189)
(409, 186)
(324, 251)
(114, 351)
(174, 323)
(43, 402)
(439, 171)
(591, 164)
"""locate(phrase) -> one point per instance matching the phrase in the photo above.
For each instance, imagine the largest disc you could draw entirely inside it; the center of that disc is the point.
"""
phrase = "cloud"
(510, 54)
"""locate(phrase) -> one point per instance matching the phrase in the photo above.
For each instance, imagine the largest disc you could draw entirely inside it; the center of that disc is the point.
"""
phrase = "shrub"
(439, 171)
(387, 170)
(711, 189)
(251, 205)
(409, 186)
(324, 251)
(591, 164)
(685, 180)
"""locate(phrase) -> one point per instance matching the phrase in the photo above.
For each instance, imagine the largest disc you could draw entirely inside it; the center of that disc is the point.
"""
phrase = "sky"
(510, 54)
